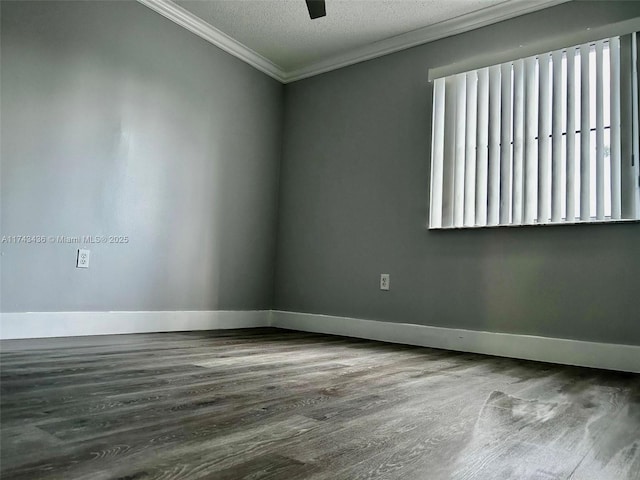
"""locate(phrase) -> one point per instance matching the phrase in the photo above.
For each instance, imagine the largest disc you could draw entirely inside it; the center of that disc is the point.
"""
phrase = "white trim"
(70, 324)
(554, 350)
(437, 31)
(196, 25)
(454, 26)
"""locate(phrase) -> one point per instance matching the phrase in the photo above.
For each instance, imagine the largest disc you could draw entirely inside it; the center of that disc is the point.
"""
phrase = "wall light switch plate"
(82, 260)
(384, 281)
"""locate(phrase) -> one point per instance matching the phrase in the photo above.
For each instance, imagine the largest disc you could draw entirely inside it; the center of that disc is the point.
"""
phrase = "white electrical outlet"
(82, 260)
(384, 281)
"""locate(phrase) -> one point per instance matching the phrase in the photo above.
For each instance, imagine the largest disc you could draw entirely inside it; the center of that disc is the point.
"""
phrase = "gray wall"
(354, 204)
(116, 121)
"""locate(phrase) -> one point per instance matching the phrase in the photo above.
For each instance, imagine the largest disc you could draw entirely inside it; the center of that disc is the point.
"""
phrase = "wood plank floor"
(267, 403)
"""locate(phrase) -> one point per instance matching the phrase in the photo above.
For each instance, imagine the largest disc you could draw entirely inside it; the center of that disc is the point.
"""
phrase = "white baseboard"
(554, 350)
(70, 324)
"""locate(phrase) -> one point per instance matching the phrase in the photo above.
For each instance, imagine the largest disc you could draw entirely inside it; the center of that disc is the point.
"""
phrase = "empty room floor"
(268, 403)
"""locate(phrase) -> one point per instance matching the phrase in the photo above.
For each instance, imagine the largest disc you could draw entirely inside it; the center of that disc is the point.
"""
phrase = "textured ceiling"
(281, 31)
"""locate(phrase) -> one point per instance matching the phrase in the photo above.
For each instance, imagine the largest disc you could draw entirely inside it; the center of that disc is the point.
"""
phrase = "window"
(547, 139)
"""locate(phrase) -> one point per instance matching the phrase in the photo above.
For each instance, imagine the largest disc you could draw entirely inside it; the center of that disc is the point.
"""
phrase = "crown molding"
(454, 26)
(204, 30)
(437, 31)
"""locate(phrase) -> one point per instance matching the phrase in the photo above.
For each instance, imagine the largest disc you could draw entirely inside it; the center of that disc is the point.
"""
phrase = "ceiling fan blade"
(316, 8)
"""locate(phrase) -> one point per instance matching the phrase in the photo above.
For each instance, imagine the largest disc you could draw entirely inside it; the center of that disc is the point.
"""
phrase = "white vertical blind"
(557, 114)
(585, 135)
(470, 153)
(482, 169)
(437, 153)
(494, 147)
(518, 142)
(599, 132)
(449, 151)
(635, 127)
(571, 134)
(531, 150)
(461, 120)
(505, 143)
(544, 134)
(614, 58)
(546, 139)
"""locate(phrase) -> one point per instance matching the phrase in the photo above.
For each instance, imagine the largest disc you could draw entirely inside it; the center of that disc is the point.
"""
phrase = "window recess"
(548, 139)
